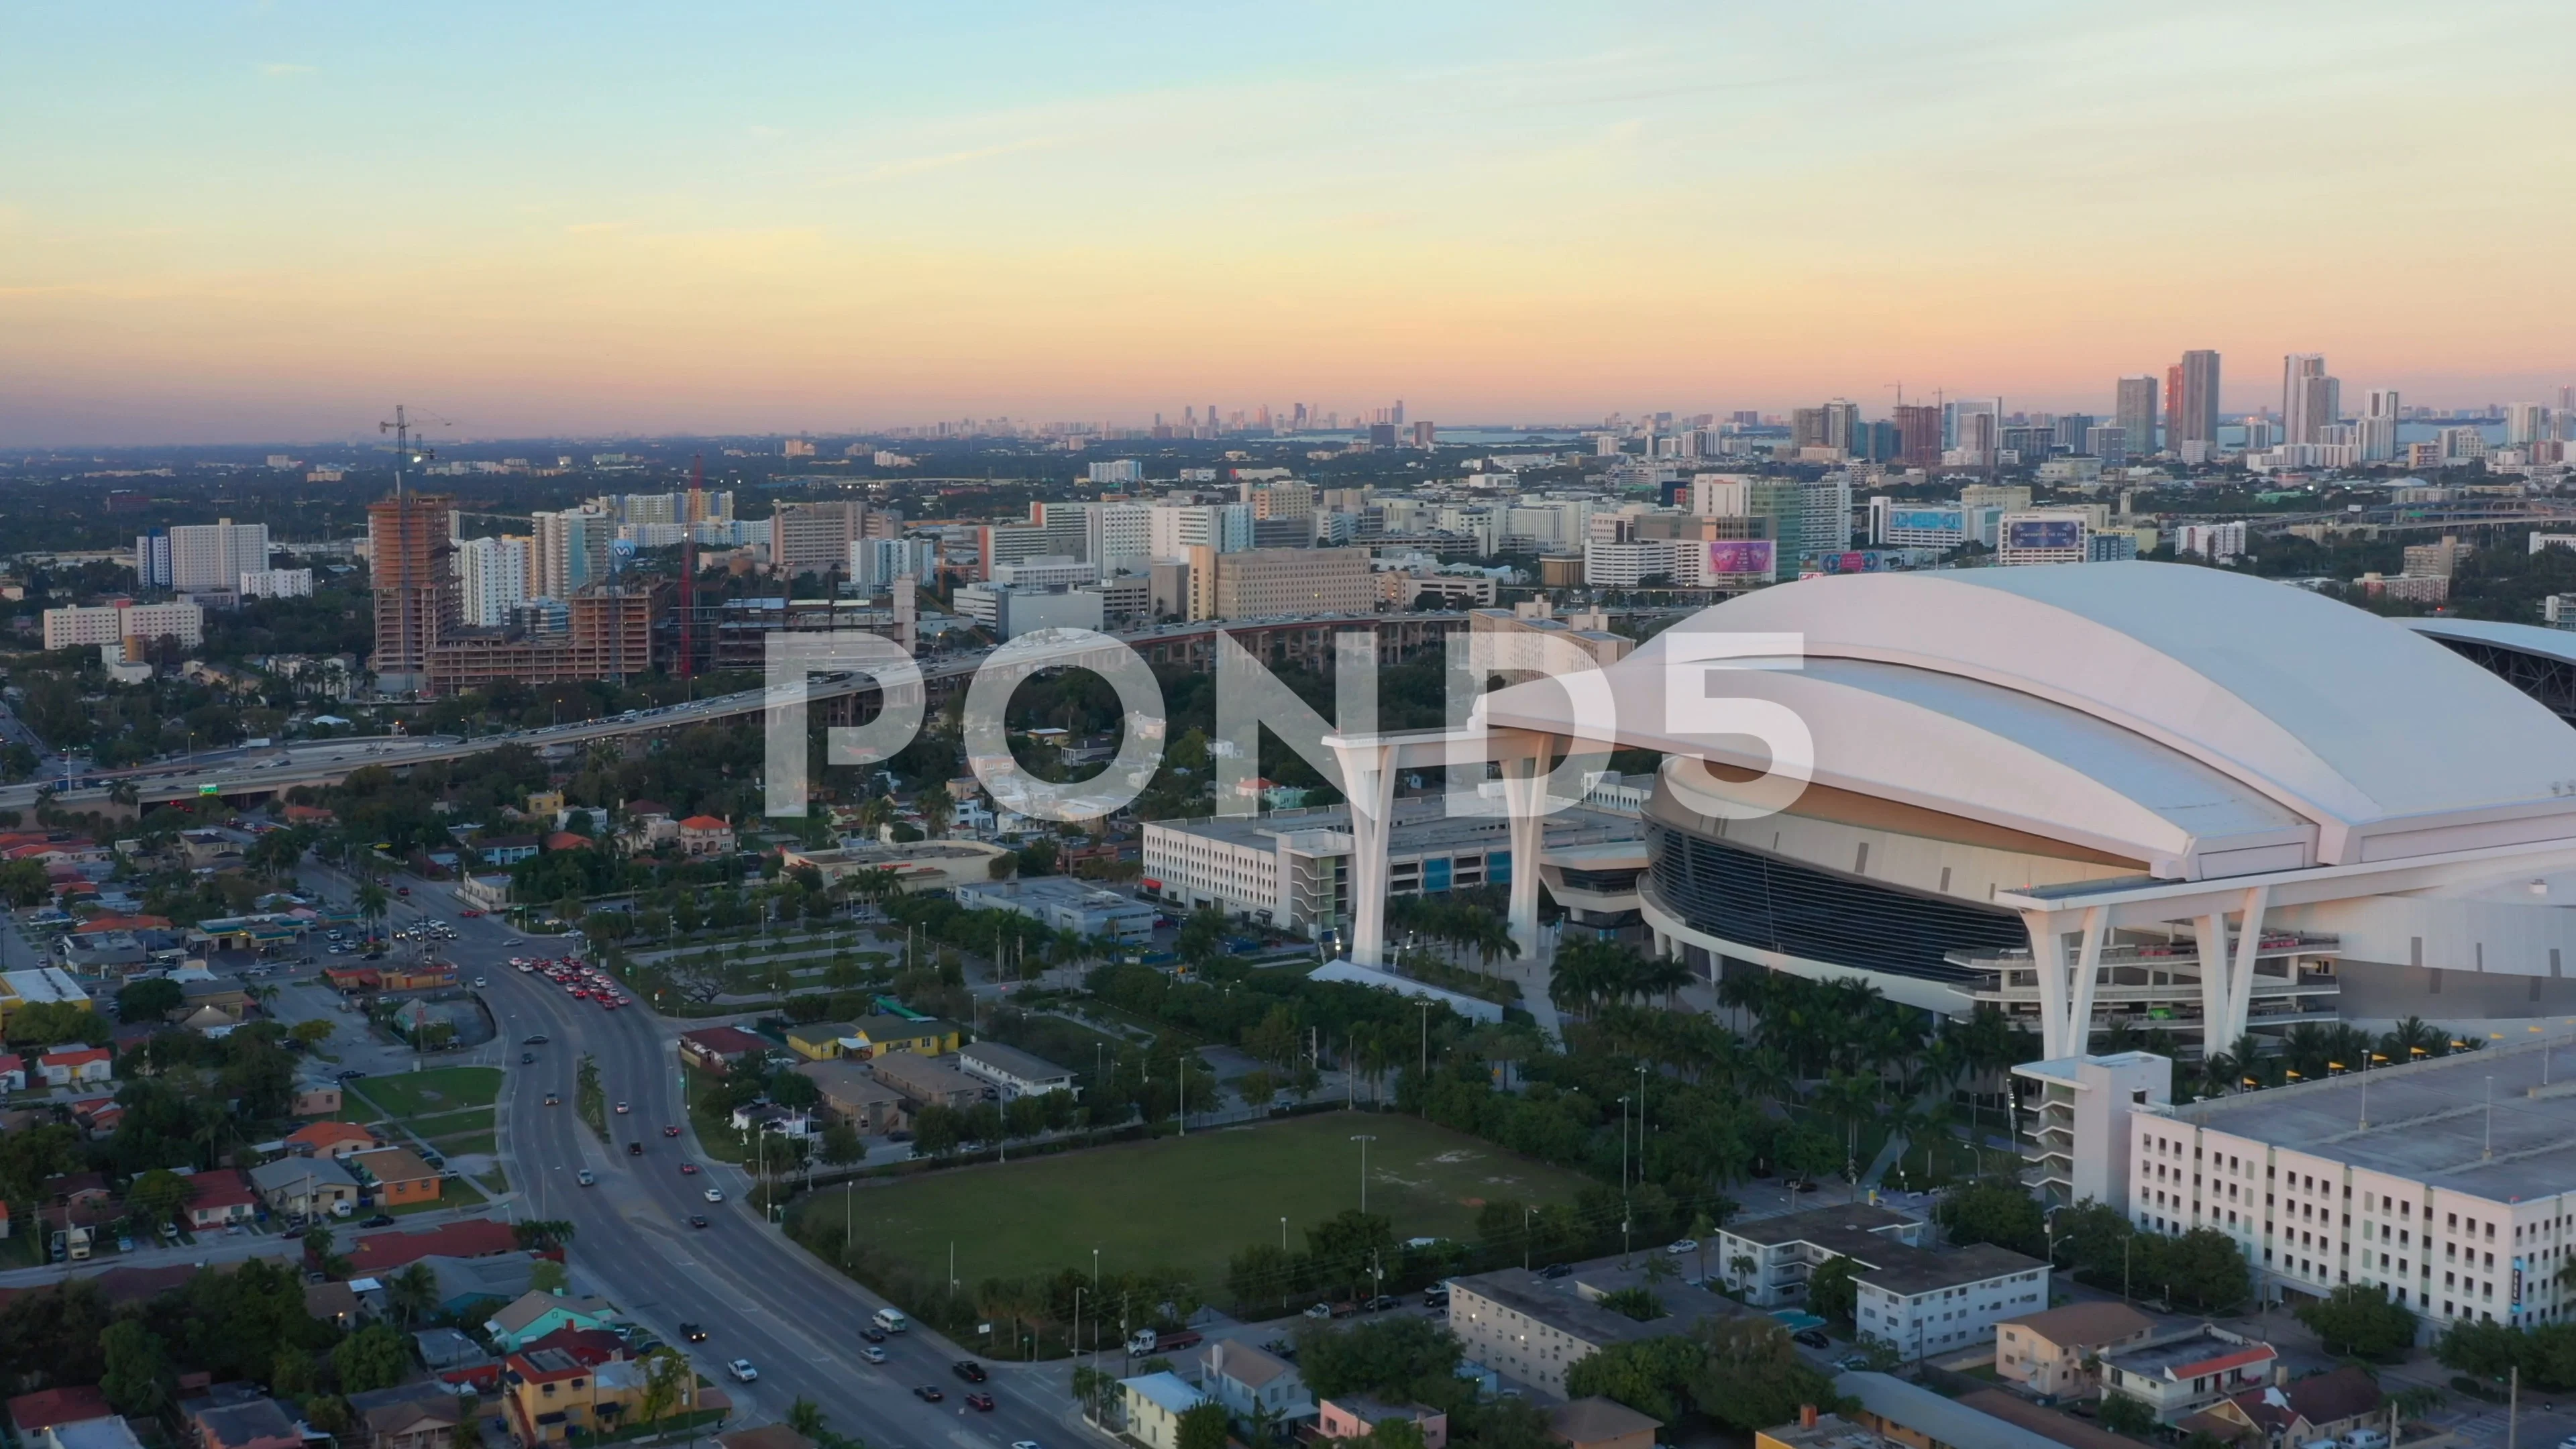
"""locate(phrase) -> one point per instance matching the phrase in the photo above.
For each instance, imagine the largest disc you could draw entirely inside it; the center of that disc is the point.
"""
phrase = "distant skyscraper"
(2134, 411)
(2377, 432)
(1918, 433)
(2192, 401)
(492, 579)
(2524, 423)
(2309, 398)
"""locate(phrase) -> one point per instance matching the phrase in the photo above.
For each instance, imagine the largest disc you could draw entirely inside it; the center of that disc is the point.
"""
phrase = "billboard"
(1860, 561)
(1929, 520)
(1740, 556)
(2044, 533)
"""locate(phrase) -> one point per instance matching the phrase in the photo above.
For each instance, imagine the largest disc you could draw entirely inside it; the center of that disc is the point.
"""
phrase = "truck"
(892, 1320)
(1147, 1340)
(78, 1240)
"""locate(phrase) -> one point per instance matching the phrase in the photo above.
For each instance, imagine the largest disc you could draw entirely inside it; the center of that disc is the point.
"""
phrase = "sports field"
(1189, 1202)
(420, 1094)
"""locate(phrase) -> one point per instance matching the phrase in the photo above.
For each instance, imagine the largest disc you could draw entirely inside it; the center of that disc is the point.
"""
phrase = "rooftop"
(1026, 1066)
(2085, 1323)
(1814, 1225)
(1909, 1272)
(2204, 1350)
(1589, 1421)
(1894, 1401)
(2429, 1121)
(1167, 1391)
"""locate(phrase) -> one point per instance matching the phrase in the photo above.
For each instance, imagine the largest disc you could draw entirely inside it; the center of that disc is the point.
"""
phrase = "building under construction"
(416, 601)
(608, 634)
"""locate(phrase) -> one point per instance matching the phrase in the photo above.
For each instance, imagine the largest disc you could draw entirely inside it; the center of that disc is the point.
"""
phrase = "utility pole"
(1363, 1139)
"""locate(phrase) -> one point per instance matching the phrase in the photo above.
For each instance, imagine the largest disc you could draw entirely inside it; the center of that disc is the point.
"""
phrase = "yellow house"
(820, 1042)
(550, 1396)
(545, 802)
(878, 1035)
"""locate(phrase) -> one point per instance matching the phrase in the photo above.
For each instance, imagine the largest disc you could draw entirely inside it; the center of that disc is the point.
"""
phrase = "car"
(1024, 1444)
(621, 1109)
(873, 1335)
(715, 1194)
(929, 1393)
(552, 1100)
(468, 915)
(688, 1169)
(693, 1333)
(1555, 1270)
(742, 1371)
(527, 1058)
(380, 1220)
(980, 1402)
(482, 980)
(1380, 1303)
(670, 1131)
(540, 1039)
(402, 890)
(351, 1075)
(634, 1149)
(1320, 1312)
(872, 1353)
(969, 1370)
(1812, 1338)
(1852, 1363)
(697, 1220)
(1682, 1247)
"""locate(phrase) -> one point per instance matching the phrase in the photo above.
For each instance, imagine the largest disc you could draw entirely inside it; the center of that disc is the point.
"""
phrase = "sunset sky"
(245, 222)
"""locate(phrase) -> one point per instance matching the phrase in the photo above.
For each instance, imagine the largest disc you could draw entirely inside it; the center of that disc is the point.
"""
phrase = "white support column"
(1368, 773)
(2216, 978)
(2249, 940)
(2088, 974)
(2048, 955)
(1524, 784)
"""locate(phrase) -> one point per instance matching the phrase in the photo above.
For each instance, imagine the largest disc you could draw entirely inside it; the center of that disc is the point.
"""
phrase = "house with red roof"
(705, 835)
(308, 815)
(377, 1254)
(100, 923)
(223, 1196)
(2188, 1372)
(32, 1414)
(76, 1062)
(566, 840)
(13, 1071)
(329, 1139)
(717, 1048)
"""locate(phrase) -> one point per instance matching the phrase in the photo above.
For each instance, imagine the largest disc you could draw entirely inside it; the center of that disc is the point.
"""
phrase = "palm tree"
(412, 1292)
(370, 901)
(2412, 1037)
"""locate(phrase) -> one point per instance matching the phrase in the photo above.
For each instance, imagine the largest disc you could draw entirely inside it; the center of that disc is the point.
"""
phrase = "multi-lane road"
(758, 1295)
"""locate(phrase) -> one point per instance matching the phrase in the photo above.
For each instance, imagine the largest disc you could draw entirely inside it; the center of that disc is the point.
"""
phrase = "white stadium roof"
(2198, 721)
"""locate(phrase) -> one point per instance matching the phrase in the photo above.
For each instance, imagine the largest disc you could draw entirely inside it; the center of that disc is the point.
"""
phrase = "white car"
(1685, 1246)
(621, 1109)
(872, 1353)
(715, 1194)
(742, 1371)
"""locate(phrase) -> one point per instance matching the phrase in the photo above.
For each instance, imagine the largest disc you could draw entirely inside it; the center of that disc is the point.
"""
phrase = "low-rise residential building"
(533, 1315)
(716, 1048)
(241, 1422)
(73, 1065)
(1065, 904)
(32, 1414)
(1915, 1417)
(409, 1416)
(1927, 1303)
(112, 1432)
(853, 1094)
(397, 1175)
(2046, 1352)
(310, 1185)
(2185, 1373)
(820, 1041)
(552, 1396)
(1249, 1381)
(704, 835)
(1356, 1416)
(375, 1255)
(1599, 1423)
(1155, 1403)
(329, 1139)
(219, 1197)
(1768, 1260)
(1532, 1329)
(2321, 1408)
(927, 1083)
(1013, 1073)
(317, 1097)
(917, 866)
(878, 1036)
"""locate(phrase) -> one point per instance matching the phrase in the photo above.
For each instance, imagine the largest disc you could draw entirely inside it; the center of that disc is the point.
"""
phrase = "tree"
(1387, 1357)
(311, 1032)
(24, 883)
(1833, 1290)
(548, 1276)
(1753, 1377)
(667, 1379)
(2128, 1414)
(138, 1379)
(151, 1000)
(411, 1293)
(806, 1418)
(159, 1194)
(2360, 1320)
(1997, 1211)
(1649, 1375)
(1204, 1427)
(374, 1357)
(1638, 1303)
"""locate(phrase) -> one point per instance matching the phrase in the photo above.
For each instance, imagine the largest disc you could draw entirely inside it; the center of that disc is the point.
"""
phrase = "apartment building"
(76, 627)
(1258, 583)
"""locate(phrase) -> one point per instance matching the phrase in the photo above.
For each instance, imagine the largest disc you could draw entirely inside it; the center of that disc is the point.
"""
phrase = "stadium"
(2167, 796)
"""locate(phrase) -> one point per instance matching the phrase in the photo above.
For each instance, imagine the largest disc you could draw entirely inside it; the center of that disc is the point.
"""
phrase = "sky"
(272, 221)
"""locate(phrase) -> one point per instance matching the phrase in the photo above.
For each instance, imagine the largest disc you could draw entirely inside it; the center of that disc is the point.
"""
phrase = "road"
(758, 1295)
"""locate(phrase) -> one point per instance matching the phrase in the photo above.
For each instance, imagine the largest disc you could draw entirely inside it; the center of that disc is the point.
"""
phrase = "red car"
(688, 1169)
(469, 915)
(980, 1401)
(670, 1131)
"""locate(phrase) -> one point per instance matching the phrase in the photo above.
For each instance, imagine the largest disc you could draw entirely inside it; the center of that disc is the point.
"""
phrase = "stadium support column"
(2249, 941)
(1368, 776)
(2227, 977)
(1524, 798)
(2066, 997)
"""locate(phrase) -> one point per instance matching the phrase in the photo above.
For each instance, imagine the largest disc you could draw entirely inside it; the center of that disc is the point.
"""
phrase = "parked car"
(380, 1220)
(1812, 1338)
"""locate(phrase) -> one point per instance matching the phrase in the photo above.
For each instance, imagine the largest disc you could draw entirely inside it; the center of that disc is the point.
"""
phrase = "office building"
(134, 625)
(2216, 542)
(2192, 401)
(2134, 409)
(152, 560)
(1011, 611)
(1065, 904)
(815, 538)
(2528, 423)
(492, 578)
(1833, 425)
(414, 583)
(1809, 518)
(1117, 472)
(1896, 523)
(2108, 442)
(1172, 529)
(1264, 582)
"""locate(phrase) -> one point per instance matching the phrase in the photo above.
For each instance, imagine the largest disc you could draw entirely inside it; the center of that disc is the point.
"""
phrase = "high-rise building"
(2192, 403)
(875, 563)
(2071, 428)
(2108, 442)
(1809, 518)
(214, 556)
(2309, 398)
(1172, 529)
(2527, 423)
(815, 538)
(2377, 433)
(570, 551)
(2134, 409)
(1832, 426)
(415, 588)
(492, 578)
(152, 560)
(1918, 436)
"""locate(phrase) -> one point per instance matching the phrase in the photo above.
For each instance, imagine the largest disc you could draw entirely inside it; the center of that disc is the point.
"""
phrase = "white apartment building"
(205, 557)
(2217, 542)
(569, 549)
(1117, 470)
(492, 578)
(875, 563)
(73, 628)
(1678, 562)
(1173, 529)
(1044, 572)
(277, 584)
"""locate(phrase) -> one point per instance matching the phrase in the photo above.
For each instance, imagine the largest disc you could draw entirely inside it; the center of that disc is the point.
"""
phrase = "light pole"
(1363, 1139)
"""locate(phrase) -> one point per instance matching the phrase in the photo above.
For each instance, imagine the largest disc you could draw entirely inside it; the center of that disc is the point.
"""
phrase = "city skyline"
(259, 226)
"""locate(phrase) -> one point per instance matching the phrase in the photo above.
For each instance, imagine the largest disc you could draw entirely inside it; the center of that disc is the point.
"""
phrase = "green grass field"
(1190, 1202)
(420, 1094)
